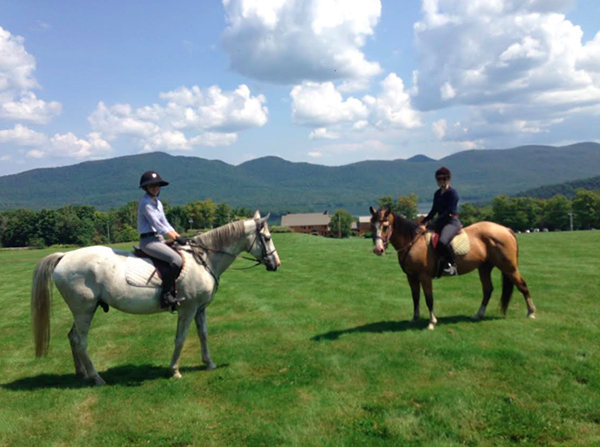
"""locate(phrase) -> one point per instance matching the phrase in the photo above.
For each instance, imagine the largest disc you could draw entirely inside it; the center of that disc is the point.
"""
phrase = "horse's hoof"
(531, 315)
(211, 366)
(415, 320)
(430, 326)
(98, 381)
(177, 375)
(476, 317)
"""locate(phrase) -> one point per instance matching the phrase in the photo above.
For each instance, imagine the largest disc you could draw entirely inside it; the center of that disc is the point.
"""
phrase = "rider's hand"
(181, 240)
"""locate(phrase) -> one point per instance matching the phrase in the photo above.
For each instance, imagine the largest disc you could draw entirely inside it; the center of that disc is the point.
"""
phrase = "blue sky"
(323, 81)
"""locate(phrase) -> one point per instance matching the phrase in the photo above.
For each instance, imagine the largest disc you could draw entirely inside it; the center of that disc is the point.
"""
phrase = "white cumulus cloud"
(290, 41)
(515, 64)
(323, 106)
(69, 146)
(190, 118)
(22, 136)
(17, 101)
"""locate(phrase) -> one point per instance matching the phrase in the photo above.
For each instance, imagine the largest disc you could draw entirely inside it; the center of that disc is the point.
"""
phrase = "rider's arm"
(433, 211)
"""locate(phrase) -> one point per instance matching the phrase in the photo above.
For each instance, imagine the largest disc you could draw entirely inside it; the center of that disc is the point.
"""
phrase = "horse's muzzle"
(272, 262)
(378, 248)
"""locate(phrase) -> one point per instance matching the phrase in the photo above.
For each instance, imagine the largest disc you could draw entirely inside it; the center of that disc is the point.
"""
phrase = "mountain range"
(280, 186)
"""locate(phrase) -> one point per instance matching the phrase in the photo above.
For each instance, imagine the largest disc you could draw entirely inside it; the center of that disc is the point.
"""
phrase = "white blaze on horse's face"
(378, 237)
(380, 227)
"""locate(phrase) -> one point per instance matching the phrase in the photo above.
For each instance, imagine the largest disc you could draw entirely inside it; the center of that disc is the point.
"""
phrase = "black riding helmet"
(151, 178)
(443, 171)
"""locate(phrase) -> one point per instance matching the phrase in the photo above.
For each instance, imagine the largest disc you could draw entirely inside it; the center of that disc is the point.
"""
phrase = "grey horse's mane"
(221, 237)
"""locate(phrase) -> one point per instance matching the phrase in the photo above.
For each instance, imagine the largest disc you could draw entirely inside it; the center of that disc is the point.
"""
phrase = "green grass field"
(321, 353)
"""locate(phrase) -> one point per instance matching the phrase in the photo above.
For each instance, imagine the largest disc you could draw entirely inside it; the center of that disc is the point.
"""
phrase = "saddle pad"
(460, 242)
(140, 272)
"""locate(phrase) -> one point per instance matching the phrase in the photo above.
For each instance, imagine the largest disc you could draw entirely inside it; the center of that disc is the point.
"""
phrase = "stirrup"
(450, 270)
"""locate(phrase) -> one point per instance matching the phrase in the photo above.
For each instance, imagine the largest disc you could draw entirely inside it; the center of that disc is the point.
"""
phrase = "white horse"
(94, 276)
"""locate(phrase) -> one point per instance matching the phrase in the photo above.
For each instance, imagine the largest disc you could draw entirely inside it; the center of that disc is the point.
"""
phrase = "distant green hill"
(566, 189)
(276, 185)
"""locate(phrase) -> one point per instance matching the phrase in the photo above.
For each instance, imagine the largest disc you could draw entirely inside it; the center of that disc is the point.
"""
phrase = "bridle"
(386, 239)
(263, 239)
(196, 247)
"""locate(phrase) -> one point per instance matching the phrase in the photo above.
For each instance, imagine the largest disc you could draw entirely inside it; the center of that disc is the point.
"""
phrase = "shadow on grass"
(397, 326)
(127, 375)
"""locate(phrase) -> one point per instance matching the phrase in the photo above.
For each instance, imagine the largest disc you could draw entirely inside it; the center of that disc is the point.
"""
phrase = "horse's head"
(262, 246)
(382, 224)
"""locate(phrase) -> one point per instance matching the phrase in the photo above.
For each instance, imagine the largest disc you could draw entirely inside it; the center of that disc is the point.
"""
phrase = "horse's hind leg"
(485, 276)
(73, 339)
(515, 278)
(79, 344)
(203, 334)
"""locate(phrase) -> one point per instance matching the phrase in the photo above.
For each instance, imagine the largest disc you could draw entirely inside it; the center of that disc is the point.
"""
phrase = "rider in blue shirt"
(152, 224)
(447, 225)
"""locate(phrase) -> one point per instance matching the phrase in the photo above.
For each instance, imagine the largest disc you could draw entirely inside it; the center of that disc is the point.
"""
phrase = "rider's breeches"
(155, 246)
(449, 230)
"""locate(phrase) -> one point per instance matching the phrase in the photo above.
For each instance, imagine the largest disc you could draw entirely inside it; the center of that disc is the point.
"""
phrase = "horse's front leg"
(415, 288)
(184, 318)
(426, 283)
(203, 334)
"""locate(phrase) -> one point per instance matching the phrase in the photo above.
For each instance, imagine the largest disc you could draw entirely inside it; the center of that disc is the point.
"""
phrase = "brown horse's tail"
(41, 297)
(507, 284)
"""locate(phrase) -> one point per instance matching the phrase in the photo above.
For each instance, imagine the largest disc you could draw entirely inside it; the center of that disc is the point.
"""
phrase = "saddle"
(143, 270)
(460, 243)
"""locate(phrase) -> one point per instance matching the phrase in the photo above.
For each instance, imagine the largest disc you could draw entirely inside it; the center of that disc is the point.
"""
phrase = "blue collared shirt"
(151, 217)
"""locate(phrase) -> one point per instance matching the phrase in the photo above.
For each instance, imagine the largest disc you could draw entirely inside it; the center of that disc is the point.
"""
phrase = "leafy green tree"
(386, 201)
(47, 227)
(178, 218)
(19, 228)
(223, 214)
(341, 223)
(127, 214)
(203, 213)
(241, 213)
(586, 209)
(469, 214)
(407, 206)
(556, 213)
(127, 234)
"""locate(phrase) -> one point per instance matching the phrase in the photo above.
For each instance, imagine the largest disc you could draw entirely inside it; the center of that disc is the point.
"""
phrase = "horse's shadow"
(396, 326)
(126, 375)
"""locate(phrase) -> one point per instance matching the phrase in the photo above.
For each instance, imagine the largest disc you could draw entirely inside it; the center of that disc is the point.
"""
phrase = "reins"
(194, 246)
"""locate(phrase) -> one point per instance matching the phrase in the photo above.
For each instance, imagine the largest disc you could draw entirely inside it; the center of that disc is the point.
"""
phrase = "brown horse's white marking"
(492, 245)
(87, 276)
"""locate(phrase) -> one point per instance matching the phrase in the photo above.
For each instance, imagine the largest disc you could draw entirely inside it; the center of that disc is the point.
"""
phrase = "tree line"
(519, 213)
(84, 225)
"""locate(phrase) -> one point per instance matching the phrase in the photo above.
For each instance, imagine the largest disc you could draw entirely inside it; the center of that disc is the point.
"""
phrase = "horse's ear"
(256, 215)
(386, 212)
(373, 212)
(264, 219)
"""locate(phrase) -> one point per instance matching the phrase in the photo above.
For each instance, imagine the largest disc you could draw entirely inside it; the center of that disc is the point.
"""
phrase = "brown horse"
(491, 245)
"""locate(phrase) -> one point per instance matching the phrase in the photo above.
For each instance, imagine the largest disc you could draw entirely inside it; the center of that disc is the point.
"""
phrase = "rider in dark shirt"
(447, 225)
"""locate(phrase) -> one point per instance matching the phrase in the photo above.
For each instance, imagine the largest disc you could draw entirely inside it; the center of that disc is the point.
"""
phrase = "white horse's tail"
(41, 297)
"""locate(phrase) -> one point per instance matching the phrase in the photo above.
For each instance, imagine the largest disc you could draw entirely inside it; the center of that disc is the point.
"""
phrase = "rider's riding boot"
(169, 293)
(450, 267)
